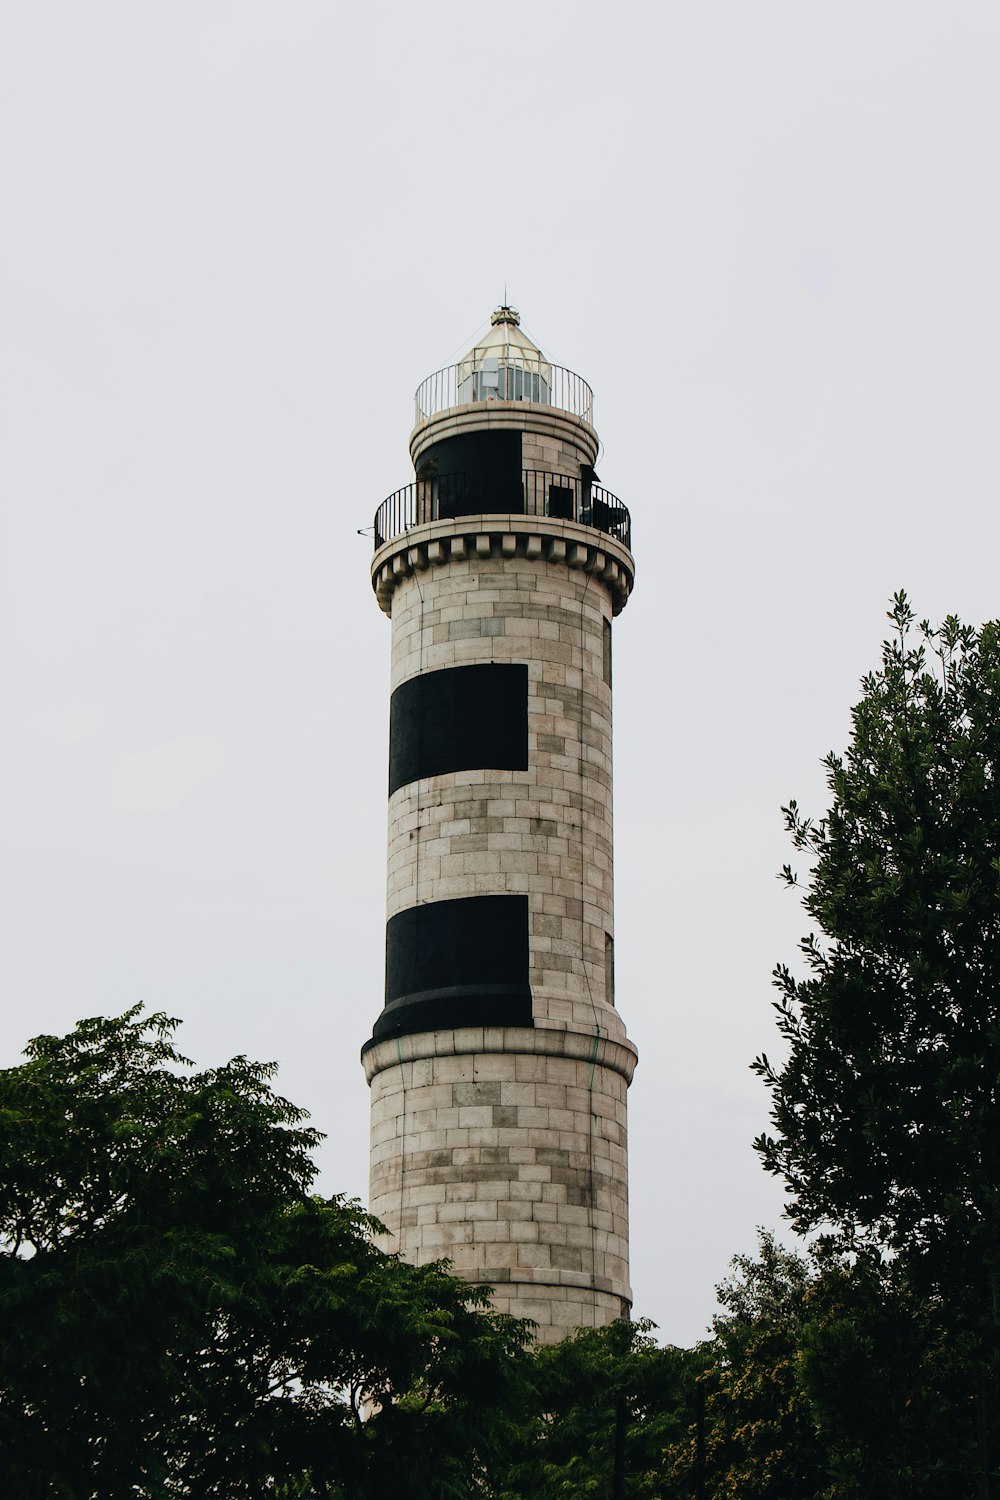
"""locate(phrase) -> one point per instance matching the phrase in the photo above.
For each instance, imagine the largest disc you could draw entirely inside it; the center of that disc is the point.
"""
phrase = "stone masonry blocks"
(517, 1200)
(545, 832)
(503, 1149)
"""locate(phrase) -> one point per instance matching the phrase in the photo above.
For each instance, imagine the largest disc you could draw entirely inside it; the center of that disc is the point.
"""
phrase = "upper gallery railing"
(504, 378)
(530, 492)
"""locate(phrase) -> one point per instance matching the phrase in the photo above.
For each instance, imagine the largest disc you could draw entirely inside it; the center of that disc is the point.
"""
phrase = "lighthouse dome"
(505, 365)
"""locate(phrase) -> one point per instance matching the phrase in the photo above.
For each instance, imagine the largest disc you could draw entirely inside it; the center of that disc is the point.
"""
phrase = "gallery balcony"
(528, 493)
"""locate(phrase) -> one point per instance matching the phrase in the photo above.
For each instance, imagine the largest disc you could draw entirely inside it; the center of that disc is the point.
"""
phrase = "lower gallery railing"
(530, 492)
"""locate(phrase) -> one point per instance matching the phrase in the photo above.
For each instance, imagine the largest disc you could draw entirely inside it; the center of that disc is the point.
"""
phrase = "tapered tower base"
(507, 1156)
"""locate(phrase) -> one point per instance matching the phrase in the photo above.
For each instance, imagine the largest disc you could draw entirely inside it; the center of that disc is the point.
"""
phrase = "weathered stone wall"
(546, 831)
(512, 1164)
(504, 1148)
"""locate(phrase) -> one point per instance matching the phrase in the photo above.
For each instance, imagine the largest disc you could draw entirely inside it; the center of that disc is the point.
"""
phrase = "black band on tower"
(459, 719)
(456, 963)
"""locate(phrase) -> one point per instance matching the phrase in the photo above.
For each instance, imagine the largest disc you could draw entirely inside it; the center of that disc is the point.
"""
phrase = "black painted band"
(454, 963)
(474, 473)
(459, 719)
(475, 1005)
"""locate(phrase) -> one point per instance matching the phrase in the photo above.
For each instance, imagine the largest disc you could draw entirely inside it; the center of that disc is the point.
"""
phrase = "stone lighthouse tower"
(499, 1064)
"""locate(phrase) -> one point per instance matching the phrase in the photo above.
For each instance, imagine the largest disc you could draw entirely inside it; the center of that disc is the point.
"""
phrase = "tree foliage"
(761, 1438)
(608, 1406)
(829, 1379)
(885, 1111)
(887, 1385)
(180, 1316)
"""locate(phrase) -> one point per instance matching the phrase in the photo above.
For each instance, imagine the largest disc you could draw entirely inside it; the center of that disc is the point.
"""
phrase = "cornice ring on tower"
(535, 537)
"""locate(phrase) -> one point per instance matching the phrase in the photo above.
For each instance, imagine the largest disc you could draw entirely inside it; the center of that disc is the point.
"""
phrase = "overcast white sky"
(234, 238)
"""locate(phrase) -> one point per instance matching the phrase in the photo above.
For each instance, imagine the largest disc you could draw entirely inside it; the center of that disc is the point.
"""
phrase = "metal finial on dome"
(505, 314)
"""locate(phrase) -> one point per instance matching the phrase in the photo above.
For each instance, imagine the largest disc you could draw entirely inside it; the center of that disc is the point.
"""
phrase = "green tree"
(608, 1405)
(829, 1379)
(885, 1111)
(761, 1438)
(887, 1385)
(180, 1316)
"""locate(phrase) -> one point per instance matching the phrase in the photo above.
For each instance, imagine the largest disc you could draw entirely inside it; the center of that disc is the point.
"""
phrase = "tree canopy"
(179, 1315)
(609, 1417)
(885, 1109)
(829, 1379)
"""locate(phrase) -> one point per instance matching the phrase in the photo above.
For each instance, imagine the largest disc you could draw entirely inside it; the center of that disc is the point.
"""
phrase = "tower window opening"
(518, 384)
(486, 381)
(493, 381)
(609, 968)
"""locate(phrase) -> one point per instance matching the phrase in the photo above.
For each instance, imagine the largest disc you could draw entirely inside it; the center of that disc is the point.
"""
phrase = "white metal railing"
(504, 378)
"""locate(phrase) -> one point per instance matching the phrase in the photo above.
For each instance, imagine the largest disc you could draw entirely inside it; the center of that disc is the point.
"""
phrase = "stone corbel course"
(538, 537)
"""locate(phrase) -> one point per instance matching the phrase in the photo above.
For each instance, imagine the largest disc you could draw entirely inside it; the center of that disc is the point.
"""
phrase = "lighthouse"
(499, 1064)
